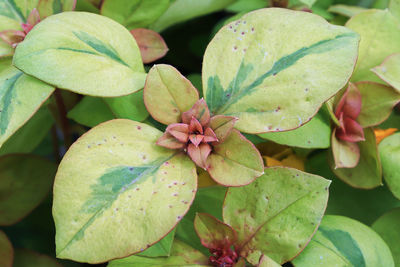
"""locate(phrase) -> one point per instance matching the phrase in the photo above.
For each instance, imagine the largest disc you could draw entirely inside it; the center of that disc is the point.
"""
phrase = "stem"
(62, 111)
(56, 148)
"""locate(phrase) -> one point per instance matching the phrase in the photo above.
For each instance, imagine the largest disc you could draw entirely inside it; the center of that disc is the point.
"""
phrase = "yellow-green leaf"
(344, 242)
(389, 71)
(181, 255)
(82, 52)
(168, 94)
(379, 30)
(126, 184)
(50, 7)
(314, 134)
(235, 162)
(377, 102)
(368, 172)
(273, 73)
(277, 214)
(7, 24)
(20, 97)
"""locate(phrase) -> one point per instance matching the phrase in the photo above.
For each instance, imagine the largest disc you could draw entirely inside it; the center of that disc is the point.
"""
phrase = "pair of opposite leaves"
(123, 176)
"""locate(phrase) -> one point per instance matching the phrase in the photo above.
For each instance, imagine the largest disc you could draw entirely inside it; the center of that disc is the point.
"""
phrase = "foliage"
(179, 132)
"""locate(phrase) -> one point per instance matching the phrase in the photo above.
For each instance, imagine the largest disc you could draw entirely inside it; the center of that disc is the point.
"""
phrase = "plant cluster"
(271, 150)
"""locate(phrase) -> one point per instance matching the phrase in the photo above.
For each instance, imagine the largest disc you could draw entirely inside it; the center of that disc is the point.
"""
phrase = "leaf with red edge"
(213, 233)
(167, 94)
(199, 154)
(222, 126)
(6, 251)
(378, 101)
(235, 162)
(368, 172)
(152, 46)
(277, 214)
(200, 111)
(345, 154)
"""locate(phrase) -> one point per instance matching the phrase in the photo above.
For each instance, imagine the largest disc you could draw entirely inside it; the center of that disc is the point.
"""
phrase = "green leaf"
(359, 204)
(24, 182)
(308, 3)
(246, 5)
(6, 251)
(84, 53)
(277, 214)
(341, 241)
(18, 10)
(235, 162)
(378, 29)
(29, 136)
(389, 71)
(128, 107)
(50, 7)
(275, 78)
(91, 111)
(24, 257)
(394, 7)
(181, 255)
(20, 97)
(387, 226)
(213, 233)
(368, 172)
(182, 10)
(345, 10)
(377, 103)
(345, 154)
(389, 150)
(161, 248)
(208, 199)
(314, 134)
(134, 13)
(168, 94)
(126, 183)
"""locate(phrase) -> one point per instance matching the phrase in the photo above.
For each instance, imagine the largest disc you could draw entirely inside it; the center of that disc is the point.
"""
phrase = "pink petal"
(169, 141)
(33, 18)
(12, 37)
(222, 126)
(26, 27)
(352, 132)
(196, 139)
(180, 131)
(195, 126)
(350, 103)
(199, 154)
(200, 111)
(209, 135)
